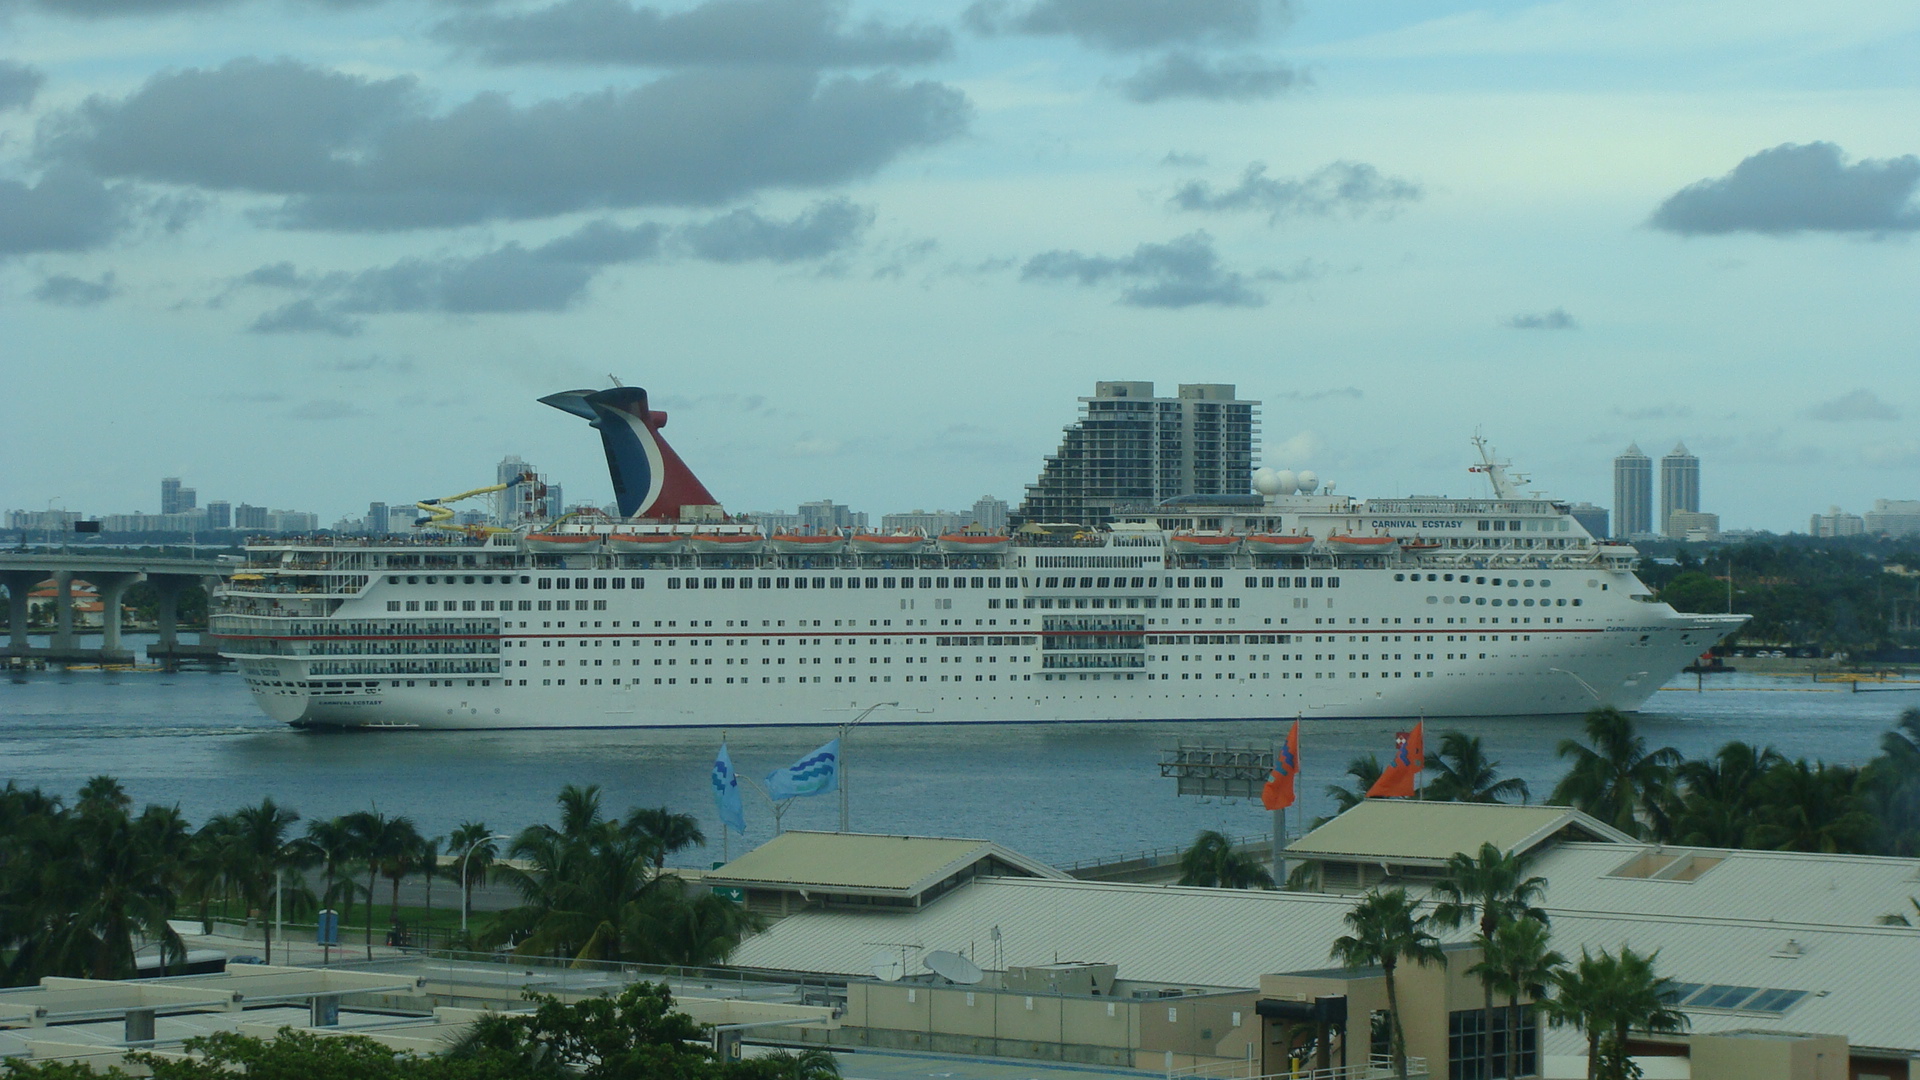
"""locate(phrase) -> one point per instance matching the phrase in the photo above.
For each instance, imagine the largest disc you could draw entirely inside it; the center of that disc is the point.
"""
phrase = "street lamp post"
(844, 730)
(465, 899)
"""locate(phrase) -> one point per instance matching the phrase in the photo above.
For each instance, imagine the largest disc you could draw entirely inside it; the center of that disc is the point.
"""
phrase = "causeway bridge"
(111, 574)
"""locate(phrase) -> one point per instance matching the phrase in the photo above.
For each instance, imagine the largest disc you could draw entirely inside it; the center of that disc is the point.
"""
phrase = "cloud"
(1858, 405)
(1183, 74)
(1557, 319)
(348, 153)
(799, 33)
(1180, 273)
(1793, 188)
(326, 409)
(743, 235)
(355, 365)
(1352, 188)
(305, 317)
(69, 291)
(18, 85)
(1653, 412)
(1184, 160)
(66, 211)
(515, 278)
(1128, 25)
(1896, 454)
(1353, 392)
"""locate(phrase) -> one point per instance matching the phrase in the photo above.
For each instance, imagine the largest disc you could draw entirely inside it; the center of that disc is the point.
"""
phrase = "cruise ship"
(1286, 602)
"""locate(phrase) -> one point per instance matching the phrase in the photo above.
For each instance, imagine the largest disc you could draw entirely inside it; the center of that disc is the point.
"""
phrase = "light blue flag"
(816, 774)
(726, 792)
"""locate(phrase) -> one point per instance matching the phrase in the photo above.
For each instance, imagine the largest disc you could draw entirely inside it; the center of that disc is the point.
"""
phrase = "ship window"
(726, 583)
(560, 583)
(1576, 603)
(709, 583)
(978, 583)
(840, 583)
(618, 583)
(893, 583)
(1484, 525)
(1399, 577)
(545, 583)
(1477, 581)
(780, 583)
(872, 582)
(926, 583)
(819, 583)
(598, 583)
(526, 605)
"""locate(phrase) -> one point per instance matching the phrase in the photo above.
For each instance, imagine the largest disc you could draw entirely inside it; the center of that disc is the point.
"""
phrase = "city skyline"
(934, 224)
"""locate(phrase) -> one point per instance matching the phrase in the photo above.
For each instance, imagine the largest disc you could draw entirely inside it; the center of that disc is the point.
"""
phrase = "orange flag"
(1278, 792)
(1397, 780)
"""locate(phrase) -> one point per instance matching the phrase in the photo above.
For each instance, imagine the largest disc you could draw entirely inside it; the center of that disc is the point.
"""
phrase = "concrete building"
(1836, 522)
(990, 514)
(58, 521)
(250, 517)
(1780, 959)
(826, 515)
(175, 499)
(1693, 526)
(775, 521)
(1591, 518)
(1679, 487)
(219, 514)
(1894, 517)
(1632, 493)
(1130, 448)
(930, 522)
(377, 520)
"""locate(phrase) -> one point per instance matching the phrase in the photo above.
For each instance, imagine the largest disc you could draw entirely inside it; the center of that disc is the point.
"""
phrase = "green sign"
(730, 892)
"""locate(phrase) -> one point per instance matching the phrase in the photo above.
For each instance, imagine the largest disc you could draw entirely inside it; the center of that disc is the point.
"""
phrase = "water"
(1058, 792)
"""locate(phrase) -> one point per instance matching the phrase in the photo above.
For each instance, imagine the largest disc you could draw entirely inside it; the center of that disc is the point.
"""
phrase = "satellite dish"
(887, 966)
(953, 967)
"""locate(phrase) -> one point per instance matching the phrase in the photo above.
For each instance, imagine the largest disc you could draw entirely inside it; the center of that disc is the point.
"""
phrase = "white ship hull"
(1371, 647)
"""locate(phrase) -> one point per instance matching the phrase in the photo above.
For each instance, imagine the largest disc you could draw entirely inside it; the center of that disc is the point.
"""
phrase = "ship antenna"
(616, 379)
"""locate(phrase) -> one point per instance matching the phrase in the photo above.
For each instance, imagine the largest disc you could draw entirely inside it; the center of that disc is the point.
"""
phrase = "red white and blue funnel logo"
(649, 479)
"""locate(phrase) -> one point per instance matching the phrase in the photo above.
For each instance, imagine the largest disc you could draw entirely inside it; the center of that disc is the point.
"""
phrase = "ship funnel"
(649, 479)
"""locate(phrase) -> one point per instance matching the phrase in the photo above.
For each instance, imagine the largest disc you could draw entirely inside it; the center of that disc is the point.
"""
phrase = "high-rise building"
(827, 515)
(249, 517)
(175, 499)
(219, 514)
(1632, 493)
(930, 522)
(1679, 487)
(507, 505)
(1131, 448)
(1894, 517)
(1693, 525)
(1591, 518)
(375, 523)
(1836, 522)
(990, 513)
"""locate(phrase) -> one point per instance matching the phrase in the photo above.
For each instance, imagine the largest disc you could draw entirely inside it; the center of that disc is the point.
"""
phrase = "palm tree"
(667, 928)
(580, 882)
(1213, 862)
(801, 1065)
(121, 877)
(428, 855)
(259, 852)
(1364, 769)
(1493, 889)
(331, 846)
(670, 833)
(1719, 799)
(1616, 778)
(1462, 773)
(1608, 997)
(1804, 807)
(471, 843)
(1387, 928)
(379, 842)
(1516, 962)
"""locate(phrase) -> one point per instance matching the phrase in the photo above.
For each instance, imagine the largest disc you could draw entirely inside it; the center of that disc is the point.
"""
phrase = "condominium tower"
(1679, 487)
(1131, 448)
(1632, 493)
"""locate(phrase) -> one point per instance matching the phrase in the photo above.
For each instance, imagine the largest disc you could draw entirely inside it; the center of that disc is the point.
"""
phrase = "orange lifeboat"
(647, 543)
(1362, 545)
(1277, 544)
(974, 543)
(1190, 543)
(563, 543)
(888, 543)
(801, 544)
(724, 543)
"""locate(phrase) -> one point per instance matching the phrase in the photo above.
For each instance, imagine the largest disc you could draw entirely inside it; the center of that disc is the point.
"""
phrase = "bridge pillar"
(19, 583)
(112, 588)
(167, 610)
(63, 611)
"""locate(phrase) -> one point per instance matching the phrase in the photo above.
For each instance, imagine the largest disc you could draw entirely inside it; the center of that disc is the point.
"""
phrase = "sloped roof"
(1179, 936)
(1410, 831)
(1781, 886)
(865, 863)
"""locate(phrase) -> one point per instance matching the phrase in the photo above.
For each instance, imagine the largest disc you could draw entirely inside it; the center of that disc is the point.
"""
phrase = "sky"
(313, 253)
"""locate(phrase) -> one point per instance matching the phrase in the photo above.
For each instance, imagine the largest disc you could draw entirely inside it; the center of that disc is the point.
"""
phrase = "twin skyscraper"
(1679, 494)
